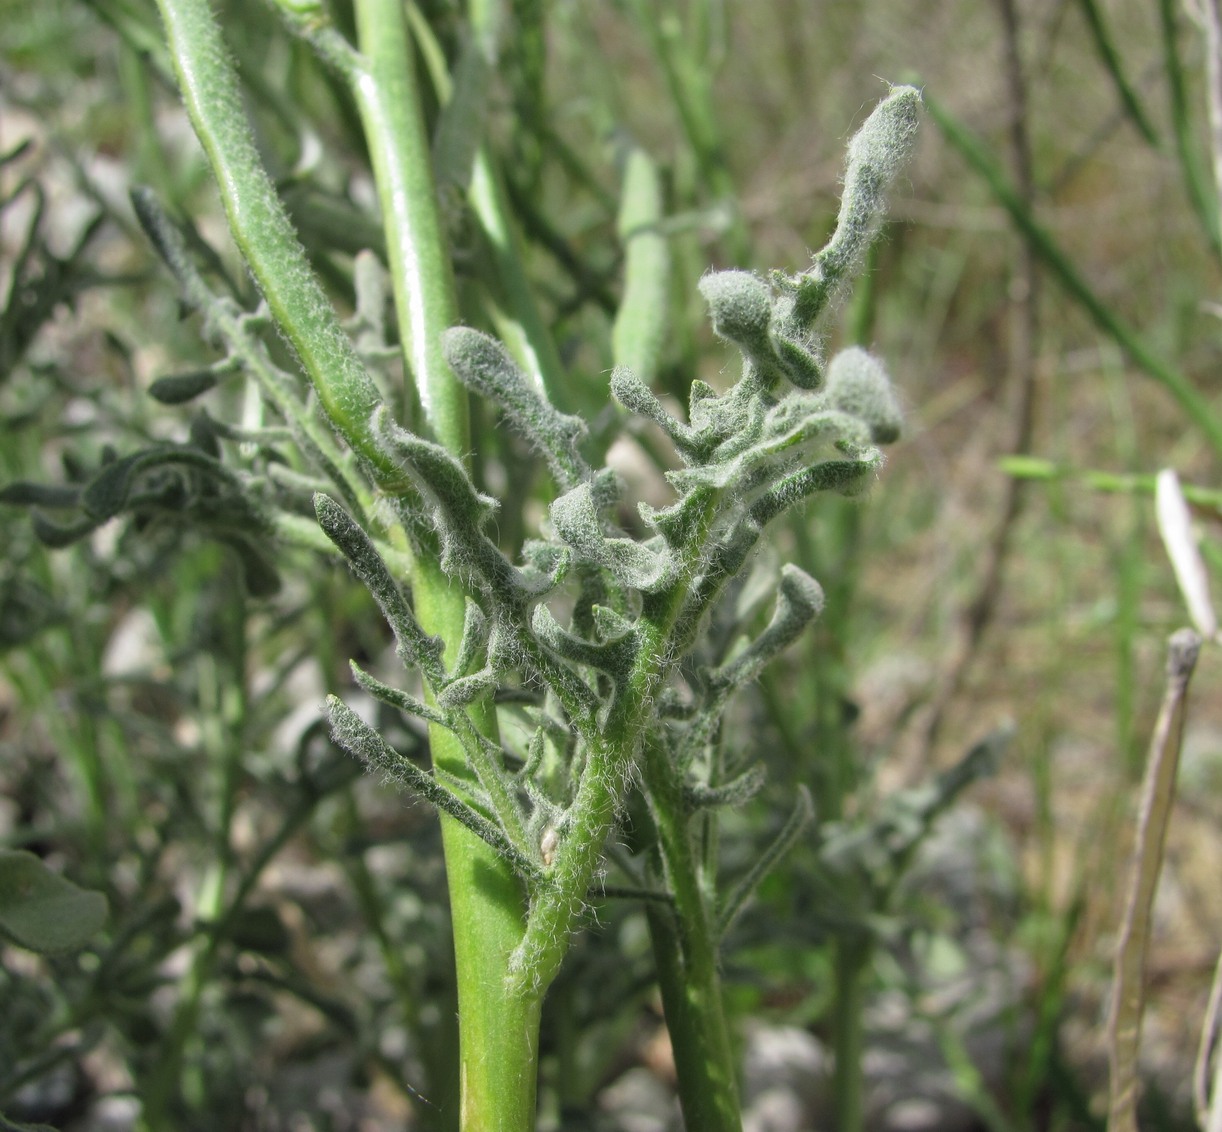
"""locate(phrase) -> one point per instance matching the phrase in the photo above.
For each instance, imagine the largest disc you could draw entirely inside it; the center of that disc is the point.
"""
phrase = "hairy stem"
(264, 234)
(685, 953)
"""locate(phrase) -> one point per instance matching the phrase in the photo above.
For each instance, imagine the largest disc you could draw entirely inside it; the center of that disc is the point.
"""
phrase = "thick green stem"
(385, 89)
(498, 1029)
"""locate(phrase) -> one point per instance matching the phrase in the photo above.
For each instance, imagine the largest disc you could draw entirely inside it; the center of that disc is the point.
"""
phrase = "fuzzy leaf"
(858, 384)
(800, 362)
(876, 154)
(798, 431)
(459, 513)
(576, 521)
(474, 638)
(610, 625)
(744, 311)
(106, 494)
(740, 305)
(483, 365)
(799, 817)
(613, 657)
(738, 790)
(442, 479)
(873, 853)
(631, 392)
(364, 743)
(58, 535)
(395, 698)
(848, 477)
(179, 388)
(413, 645)
(24, 494)
(799, 601)
(681, 522)
(465, 690)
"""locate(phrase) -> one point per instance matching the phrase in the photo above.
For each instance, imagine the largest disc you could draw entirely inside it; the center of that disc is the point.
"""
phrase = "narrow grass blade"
(969, 147)
(1196, 181)
(1110, 57)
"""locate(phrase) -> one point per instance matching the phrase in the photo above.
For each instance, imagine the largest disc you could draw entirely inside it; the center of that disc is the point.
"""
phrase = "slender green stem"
(851, 960)
(1105, 45)
(1195, 406)
(465, 162)
(1196, 180)
(499, 1034)
(685, 952)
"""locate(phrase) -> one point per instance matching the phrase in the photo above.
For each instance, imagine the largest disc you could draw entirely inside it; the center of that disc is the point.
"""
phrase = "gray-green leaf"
(43, 911)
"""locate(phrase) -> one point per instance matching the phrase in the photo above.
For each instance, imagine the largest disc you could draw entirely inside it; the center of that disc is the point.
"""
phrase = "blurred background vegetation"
(276, 953)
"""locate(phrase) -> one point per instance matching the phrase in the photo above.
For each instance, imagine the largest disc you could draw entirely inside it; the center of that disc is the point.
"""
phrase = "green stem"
(264, 234)
(498, 1029)
(1196, 179)
(1105, 45)
(465, 161)
(851, 960)
(685, 953)
(499, 1035)
(1195, 406)
(386, 95)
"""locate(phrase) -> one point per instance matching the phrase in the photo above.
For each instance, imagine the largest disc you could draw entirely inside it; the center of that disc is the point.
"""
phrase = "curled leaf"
(799, 601)
(483, 365)
(576, 521)
(857, 384)
(876, 154)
